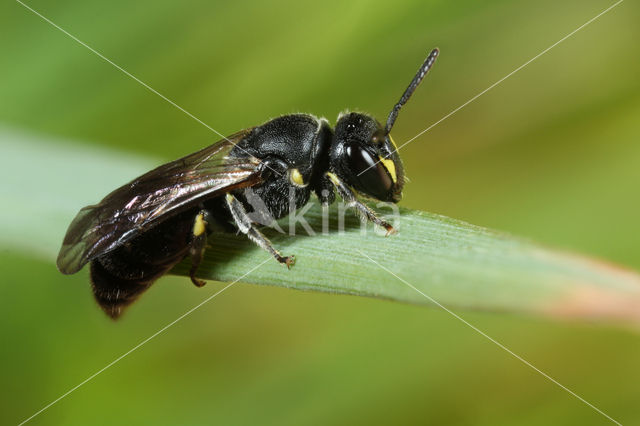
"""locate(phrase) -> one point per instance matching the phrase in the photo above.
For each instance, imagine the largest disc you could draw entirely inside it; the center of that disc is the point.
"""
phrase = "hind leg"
(198, 245)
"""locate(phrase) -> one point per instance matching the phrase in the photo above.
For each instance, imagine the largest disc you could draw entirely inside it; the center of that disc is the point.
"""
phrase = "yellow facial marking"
(391, 168)
(296, 177)
(200, 225)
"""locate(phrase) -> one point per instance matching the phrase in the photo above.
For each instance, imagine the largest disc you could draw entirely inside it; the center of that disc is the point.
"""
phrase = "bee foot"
(390, 230)
(197, 282)
(289, 261)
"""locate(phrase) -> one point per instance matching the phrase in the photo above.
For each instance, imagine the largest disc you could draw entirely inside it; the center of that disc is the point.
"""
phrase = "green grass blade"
(454, 263)
(457, 264)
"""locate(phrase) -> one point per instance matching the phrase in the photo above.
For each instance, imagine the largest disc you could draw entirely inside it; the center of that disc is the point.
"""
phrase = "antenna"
(417, 79)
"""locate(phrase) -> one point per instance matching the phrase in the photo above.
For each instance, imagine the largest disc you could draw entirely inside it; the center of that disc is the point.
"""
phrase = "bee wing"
(153, 197)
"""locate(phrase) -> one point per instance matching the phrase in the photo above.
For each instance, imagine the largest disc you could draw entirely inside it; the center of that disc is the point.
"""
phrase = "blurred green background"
(552, 154)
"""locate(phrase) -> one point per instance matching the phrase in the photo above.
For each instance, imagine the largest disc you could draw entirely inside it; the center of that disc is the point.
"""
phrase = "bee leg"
(198, 245)
(244, 224)
(362, 209)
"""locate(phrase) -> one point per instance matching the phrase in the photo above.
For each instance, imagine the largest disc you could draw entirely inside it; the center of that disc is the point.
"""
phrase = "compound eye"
(370, 176)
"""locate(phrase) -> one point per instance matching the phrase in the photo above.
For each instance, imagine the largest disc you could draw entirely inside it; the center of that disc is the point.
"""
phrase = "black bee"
(141, 230)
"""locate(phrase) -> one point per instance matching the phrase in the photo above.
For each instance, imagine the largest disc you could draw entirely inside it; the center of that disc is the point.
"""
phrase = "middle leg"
(245, 226)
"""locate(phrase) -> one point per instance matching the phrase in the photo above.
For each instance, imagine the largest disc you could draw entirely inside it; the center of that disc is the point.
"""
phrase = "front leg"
(352, 201)
(244, 224)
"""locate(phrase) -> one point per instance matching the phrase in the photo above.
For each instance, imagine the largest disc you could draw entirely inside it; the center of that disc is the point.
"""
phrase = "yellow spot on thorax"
(200, 225)
(296, 177)
(391, 168)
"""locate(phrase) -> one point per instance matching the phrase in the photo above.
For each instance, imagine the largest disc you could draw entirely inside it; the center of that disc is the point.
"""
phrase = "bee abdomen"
(114, 293)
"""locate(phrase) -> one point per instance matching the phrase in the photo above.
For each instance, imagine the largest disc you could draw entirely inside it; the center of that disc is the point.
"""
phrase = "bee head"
(365, 158)
(363, 154)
